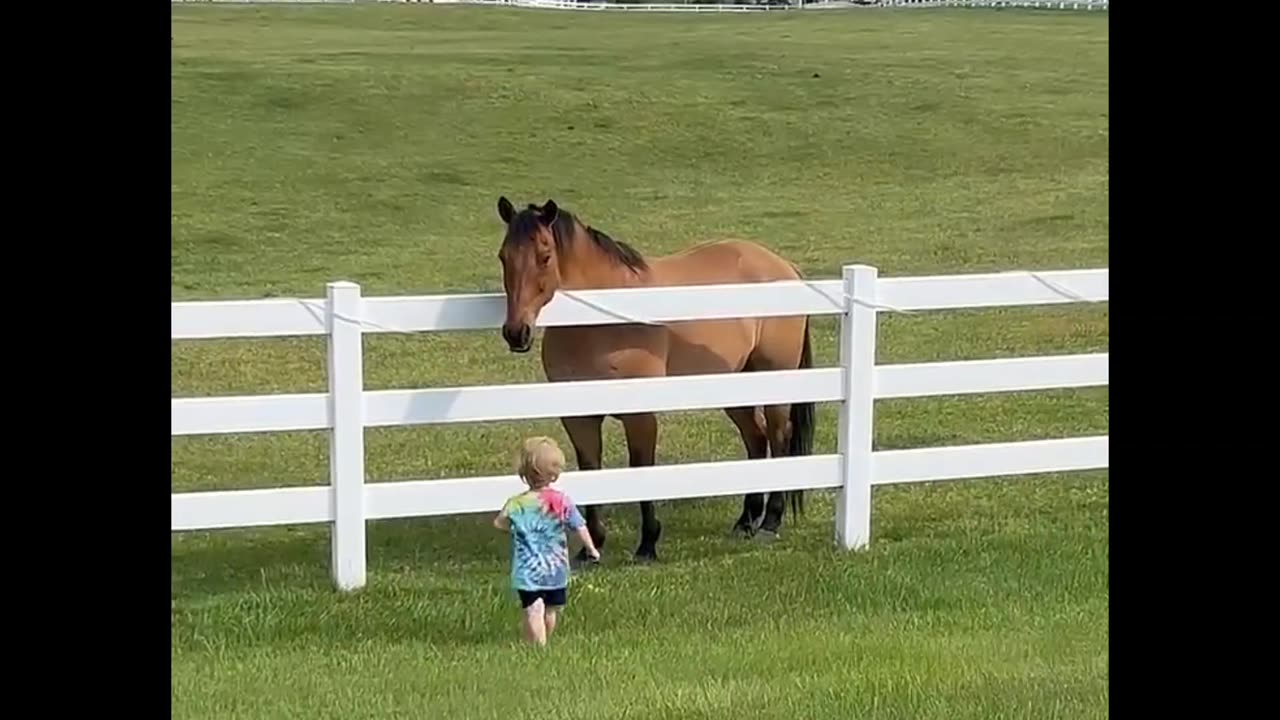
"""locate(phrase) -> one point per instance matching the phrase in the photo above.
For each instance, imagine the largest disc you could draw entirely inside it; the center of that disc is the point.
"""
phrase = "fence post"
(346, 439)
(858, 359)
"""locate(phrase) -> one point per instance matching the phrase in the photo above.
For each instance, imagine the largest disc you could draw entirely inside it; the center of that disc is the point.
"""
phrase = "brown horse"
(546, 249)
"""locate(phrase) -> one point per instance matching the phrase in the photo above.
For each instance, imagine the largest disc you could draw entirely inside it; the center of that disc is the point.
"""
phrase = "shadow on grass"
(207, 564)
(443, 581)
(298, 557)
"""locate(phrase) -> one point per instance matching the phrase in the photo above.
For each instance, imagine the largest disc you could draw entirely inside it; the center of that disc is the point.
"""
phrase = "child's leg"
(554, 603)
(535, 628)
(549, 618)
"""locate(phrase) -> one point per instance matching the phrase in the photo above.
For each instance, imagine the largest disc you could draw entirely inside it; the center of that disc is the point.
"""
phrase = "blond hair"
(541, 461)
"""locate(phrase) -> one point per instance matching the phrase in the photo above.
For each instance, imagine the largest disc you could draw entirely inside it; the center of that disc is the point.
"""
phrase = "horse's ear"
(506, 210)
(549, 212)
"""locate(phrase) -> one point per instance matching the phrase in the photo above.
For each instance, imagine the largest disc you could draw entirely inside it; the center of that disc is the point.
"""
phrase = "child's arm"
(585, 536)
(501, 521)
(576, 523)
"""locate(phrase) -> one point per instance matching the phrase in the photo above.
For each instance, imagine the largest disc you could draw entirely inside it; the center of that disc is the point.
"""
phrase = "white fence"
(344, 316)
(798, 5)
(710, 7)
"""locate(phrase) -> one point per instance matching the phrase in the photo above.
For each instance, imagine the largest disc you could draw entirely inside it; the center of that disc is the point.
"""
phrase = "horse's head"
(530, 268)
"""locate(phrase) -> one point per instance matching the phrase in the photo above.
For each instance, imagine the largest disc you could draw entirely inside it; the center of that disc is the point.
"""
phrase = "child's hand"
(587, 557)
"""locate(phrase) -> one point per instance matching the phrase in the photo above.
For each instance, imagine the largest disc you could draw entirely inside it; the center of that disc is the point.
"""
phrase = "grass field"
(370, 143)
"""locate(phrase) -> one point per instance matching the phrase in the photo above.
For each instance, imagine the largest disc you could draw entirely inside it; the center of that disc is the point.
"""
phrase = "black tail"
(803, 419)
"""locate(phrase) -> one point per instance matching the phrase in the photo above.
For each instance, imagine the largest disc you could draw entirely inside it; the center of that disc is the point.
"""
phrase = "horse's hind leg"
(585, 434)
(778, 427)
(751, 426)
(642, 446)
(783, 345)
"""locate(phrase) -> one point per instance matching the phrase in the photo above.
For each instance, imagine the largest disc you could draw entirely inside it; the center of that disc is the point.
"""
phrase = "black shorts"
(550, 598)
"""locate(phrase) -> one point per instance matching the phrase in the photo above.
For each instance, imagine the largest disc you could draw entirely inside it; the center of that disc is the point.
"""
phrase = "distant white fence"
(709, 7)
(798, 5)
(344, 316)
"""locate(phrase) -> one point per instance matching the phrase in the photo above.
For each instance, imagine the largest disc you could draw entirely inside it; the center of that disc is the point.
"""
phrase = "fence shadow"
(441, 581)
(297, 558)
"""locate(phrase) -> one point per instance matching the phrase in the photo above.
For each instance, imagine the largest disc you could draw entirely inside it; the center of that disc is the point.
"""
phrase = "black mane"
(526, 221)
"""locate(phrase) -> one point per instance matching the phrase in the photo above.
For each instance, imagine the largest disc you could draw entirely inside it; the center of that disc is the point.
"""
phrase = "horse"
(546, 249)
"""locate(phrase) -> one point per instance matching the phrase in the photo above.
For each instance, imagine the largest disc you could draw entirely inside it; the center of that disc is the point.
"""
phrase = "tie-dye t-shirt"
(539, 548)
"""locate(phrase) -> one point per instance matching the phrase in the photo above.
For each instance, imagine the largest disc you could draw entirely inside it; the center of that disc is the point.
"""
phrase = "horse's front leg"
(642, 444)
(585, 434)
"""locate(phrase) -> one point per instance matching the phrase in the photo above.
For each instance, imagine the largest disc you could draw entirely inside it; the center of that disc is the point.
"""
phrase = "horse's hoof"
(646, 556)
(765, 536)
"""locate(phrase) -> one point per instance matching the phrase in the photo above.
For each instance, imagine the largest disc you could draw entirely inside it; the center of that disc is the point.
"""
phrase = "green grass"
(371, 143)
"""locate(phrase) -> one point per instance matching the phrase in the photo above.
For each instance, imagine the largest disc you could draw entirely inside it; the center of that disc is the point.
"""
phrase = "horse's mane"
(563, 230)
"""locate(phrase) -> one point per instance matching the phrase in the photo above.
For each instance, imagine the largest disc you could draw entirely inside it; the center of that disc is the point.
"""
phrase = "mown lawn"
(370, 143)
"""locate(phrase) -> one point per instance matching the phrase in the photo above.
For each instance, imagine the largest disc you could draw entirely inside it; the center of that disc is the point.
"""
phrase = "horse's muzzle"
(519, 337)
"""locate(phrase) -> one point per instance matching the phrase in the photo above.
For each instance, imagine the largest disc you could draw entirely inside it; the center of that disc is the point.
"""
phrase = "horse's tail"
(803, 419)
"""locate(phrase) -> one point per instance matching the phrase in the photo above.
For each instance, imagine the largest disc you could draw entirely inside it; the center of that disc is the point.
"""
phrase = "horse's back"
(713, 346)
(692, 347)
(722, 261)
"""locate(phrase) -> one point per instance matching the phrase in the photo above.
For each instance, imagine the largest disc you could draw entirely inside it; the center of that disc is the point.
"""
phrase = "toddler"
(537, 520)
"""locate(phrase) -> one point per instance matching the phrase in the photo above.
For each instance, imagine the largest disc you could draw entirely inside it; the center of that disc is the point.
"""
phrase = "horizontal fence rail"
(346, 409)
(383, 408)
(426, 498)
(280, 317)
